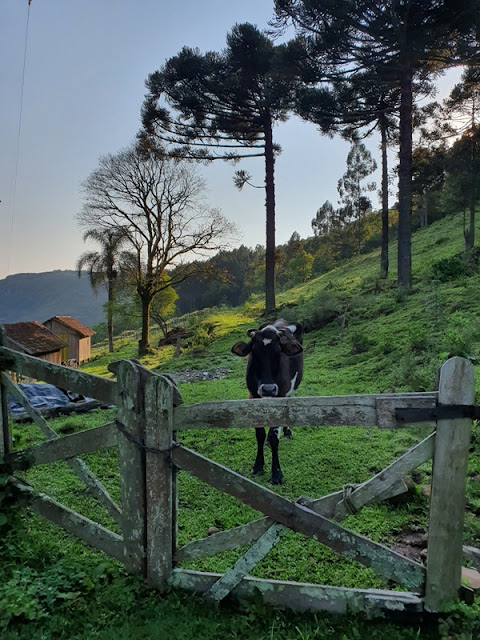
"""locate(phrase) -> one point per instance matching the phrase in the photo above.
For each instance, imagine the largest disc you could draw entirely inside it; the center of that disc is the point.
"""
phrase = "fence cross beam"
(388, 563)
(77, 465)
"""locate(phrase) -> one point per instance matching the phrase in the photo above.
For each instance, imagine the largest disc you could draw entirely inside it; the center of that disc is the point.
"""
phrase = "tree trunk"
(110, 315)
(144, 342)
(405, 182)
(270, 214)
(384, 250)
(424, 203)
(470, 235)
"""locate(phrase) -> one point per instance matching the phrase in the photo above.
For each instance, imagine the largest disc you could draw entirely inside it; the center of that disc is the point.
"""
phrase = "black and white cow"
(274, 370)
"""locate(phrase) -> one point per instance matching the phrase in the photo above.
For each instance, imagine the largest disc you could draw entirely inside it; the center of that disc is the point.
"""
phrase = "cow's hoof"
(257, 471)
(277, 479)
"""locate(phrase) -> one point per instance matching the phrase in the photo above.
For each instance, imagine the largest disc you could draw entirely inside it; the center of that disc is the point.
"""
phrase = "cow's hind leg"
(273, 439)
(259, 460)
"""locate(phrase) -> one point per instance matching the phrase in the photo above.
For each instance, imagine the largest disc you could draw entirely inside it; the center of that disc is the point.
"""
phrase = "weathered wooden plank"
(307, 597)
(78, 466)
(230, 579)
(248, 533)
(272, 412)
(377, 485)
(388, 403)
(303, 520)
(96, 488)
(131, 459)
(223, 541)
(65, 447)
(356, 410)
(447, 503)
(64, 377)
(5, 431)
(90, 532)
(160, 484)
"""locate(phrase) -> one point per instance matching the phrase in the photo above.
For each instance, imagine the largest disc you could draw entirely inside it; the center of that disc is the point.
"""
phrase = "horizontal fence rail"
(65, 447)
(305, 597)
(58, 375)
(356, 410)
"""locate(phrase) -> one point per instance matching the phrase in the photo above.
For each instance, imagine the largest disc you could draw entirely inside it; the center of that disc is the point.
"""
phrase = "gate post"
(5, 432)
(131, 459)
(160, 480)
(447, 504)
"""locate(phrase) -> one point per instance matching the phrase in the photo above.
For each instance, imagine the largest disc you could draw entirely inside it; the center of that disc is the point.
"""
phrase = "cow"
(274, 370)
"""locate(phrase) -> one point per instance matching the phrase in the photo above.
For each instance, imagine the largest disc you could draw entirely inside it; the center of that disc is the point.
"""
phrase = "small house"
(34, 339)
(76, 336)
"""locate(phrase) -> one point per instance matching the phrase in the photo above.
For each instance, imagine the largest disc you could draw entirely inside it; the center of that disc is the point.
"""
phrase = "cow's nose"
(268, 390)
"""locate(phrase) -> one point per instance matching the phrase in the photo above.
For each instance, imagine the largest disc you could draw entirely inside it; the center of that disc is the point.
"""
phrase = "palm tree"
(102, 267)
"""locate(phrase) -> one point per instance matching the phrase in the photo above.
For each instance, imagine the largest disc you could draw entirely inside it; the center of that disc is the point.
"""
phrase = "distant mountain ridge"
(39, 296)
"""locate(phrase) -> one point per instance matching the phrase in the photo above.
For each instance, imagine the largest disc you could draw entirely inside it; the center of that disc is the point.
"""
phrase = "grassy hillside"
(378, 340)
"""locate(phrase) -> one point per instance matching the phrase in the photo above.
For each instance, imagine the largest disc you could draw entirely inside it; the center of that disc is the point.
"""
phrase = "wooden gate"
(148, 423)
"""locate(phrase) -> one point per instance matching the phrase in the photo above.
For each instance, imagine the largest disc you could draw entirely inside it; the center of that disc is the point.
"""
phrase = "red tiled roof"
(71, 323)
(33, 337)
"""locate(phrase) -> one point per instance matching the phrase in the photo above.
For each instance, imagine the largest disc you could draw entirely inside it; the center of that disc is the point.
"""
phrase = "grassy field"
(382, 340)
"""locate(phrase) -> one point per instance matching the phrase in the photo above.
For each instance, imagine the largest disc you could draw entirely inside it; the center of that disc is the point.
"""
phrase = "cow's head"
(270, 349)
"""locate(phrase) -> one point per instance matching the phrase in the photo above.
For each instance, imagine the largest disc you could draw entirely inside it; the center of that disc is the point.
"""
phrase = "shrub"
(203, 333)
(361, 343)
(319, 310)
(462, 336)
(455, 267)
(414, 373)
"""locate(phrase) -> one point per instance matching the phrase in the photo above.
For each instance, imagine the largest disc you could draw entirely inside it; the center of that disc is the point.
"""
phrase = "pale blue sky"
(87, 61)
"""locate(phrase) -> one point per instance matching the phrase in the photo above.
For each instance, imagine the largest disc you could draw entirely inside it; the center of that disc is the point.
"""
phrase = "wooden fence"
(150, 419)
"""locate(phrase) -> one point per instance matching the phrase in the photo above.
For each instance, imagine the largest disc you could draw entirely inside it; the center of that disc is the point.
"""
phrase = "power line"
(18, 142)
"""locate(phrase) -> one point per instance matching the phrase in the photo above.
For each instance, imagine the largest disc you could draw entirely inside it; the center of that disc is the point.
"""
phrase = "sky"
(83, 86)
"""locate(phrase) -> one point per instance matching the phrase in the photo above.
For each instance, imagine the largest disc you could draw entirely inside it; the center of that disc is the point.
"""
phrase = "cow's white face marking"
(267, 341)
(292, 327)
(292, 384)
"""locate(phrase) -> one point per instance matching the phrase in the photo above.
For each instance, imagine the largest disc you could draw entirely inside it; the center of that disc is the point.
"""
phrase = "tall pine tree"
(415, 38)
(224, 106)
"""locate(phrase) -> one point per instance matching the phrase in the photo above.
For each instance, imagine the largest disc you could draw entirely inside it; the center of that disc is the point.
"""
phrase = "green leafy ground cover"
(380, 340)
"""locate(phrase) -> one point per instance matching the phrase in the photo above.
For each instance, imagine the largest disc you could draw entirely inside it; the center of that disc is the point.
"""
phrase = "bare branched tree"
(159, 204)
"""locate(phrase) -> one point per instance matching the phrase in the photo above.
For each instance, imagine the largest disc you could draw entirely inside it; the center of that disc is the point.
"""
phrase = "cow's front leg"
(273, 439)
(259, 460)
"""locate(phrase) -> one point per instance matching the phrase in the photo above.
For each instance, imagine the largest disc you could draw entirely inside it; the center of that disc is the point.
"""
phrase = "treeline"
(231, 277)
(445, 180)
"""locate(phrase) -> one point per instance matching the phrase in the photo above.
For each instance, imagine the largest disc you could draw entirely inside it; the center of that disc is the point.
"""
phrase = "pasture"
(55, 587)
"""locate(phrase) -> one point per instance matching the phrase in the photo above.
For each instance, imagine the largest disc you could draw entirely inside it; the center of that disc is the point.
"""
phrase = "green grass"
(53, 586)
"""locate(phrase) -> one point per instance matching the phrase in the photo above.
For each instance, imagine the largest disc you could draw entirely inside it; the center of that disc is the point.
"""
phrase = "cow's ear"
(290, 347)
(297, 329)
(242, 348)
